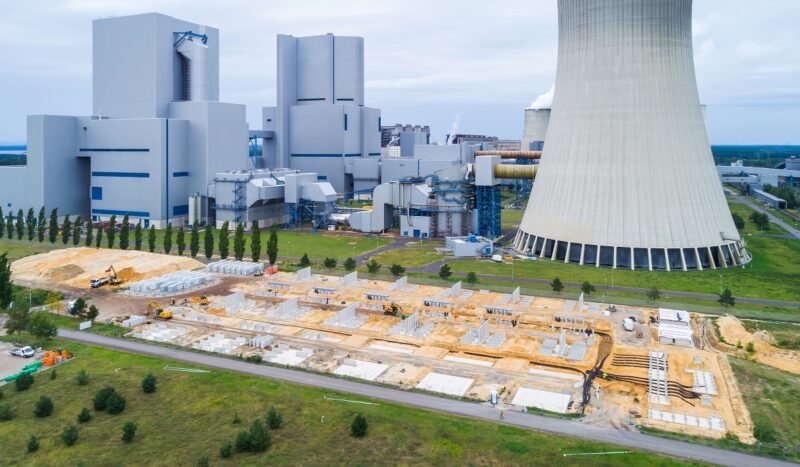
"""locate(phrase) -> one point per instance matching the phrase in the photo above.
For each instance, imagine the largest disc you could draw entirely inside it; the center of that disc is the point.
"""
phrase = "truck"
(95, 283)
(24, 352)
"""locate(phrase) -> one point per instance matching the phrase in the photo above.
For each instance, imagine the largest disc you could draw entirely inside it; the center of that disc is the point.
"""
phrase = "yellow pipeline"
(510, 154)
(527, 172)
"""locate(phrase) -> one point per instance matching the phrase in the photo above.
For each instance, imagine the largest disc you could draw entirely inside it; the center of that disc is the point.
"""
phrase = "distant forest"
(754, 156)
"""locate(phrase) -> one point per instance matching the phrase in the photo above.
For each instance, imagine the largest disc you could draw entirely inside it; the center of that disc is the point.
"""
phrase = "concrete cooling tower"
(626, 177)
(535, 129)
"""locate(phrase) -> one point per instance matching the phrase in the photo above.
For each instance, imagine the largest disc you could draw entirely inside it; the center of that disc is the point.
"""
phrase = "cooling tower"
(535, 129)
(626, 177)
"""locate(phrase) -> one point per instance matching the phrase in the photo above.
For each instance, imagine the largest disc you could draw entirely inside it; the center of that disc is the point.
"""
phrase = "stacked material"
(161, 333)
(219, 343)
(171, 283)
(236, 268)
(260, 341)
(134, 320)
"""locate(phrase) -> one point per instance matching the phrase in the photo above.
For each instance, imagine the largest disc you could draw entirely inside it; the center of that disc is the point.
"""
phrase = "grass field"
(510, 218)
(23, 248)
(749, 227)
(772, 396)
(786, 335)
(412, 256)
(190, 416)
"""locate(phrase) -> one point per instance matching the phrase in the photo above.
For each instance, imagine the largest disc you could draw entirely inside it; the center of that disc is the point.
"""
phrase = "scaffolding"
(488, 202)
(310, 211)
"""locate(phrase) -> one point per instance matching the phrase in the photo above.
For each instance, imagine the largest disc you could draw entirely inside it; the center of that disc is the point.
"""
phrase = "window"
(97, 193)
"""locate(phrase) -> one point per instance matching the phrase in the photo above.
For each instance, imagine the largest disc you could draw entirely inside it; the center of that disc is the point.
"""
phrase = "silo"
(535, 129)
(626, 178)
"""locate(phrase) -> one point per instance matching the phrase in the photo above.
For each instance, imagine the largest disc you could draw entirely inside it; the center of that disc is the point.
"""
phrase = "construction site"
(611, 365)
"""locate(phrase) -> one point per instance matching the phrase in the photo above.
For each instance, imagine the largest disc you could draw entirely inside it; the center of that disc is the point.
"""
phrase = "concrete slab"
(446, 384)
(546, 400)
(287, 356)
(361, 369)
(469, 361)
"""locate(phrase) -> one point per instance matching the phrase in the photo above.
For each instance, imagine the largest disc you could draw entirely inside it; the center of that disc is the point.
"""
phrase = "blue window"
(97, 193)
(345, 122)
(180, 210)
(322, 177)
(180, 174)
(379, 123)
(147, 223)
(121, 174)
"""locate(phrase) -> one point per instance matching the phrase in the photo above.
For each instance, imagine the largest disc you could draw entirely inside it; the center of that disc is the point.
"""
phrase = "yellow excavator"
(156, 310)
(201, 300)
(113, 279)
(393, 309)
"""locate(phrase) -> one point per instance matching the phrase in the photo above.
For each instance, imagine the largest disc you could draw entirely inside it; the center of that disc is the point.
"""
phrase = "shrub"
(82, 378)
(358, 428)
(764, 431)
(33, 444)
(257, 358)
(43, 407)
(472, 278)
(116, 403)
(587, 288)
(260, 438)
(397, 270)
(750, 347)
(23, 382)
(6, 412)
(101, 397)
(1, 393)
(304, 261)
(329, 262)
(243, 441)
(349, 264)
(53, 374)
(445, 272)
(84, 416)
(149, 384)
(274, 418)
(70, 435)
(226, 450)
(373, 266)
(128, 431)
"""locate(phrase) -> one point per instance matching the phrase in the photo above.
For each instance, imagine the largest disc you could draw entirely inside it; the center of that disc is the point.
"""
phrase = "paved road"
(772, 218)
(574, 429)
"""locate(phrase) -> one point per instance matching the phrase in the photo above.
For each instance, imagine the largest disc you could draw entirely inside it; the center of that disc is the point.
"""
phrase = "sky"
(474, 64)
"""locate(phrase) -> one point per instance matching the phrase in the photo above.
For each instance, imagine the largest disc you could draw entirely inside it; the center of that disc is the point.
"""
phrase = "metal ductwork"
(510, 154)
(520, 172)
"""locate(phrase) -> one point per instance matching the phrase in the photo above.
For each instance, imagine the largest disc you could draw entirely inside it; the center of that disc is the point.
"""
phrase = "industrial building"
(626, 178)
(404, 138)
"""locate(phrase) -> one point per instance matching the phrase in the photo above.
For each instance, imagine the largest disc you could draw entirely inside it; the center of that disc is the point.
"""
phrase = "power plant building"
(626, 177)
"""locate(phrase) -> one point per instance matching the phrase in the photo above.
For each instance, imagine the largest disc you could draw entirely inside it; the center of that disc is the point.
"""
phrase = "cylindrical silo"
(626, 177)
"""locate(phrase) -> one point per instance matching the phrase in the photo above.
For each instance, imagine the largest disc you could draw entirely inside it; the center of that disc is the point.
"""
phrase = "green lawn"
(510, 218)
(749, 227)
(774, 273)
(772, 396)
(190, 416)
(411, 256)
(17, 249)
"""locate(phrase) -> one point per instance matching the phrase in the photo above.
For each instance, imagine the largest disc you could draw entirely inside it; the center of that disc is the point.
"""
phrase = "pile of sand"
(734, 332)
(75, 267)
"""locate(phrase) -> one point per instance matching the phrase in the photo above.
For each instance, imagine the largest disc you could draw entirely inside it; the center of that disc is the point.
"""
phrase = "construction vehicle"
(113, 279)
(156, 310)
(201, 300)
(393, 309)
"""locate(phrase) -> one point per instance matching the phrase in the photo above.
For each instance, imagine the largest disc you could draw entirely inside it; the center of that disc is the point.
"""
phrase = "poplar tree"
(89, 233)
(52, 229)
(10, 225)
(223, 240)
(112, 230)
(194, 240)
(30, 222)
(151, 239)
(124, 232)
(255, 243)
(2, 224)
(40, 225)
(168, 238)
(66, 230)
(208, 242)
(180, 240)
(20, 224)
(238, 242)
(76, 230)
(137, 236)
(272, 244)
(99, 238)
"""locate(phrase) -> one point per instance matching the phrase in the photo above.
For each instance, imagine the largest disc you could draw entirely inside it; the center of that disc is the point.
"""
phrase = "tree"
(726, 298)
(20, 224)
(358, 429)
(272, 244)
(52, 228)
(750, 348)
(30, 223)
(98, 239)
(223, 240)
(79, 308)
(43, 407)
(445, 272)
(82, 378)
(304, 261)
(243, 441)
(128, 431)
(76, 231)
(149, 383)
(238, 242)
(397, 270)
(329, 262)
(260, 438)
(66, 230)
(40, 224)
(124, 232)
(116, 403)
(180, 240)
(17, 319)
(2, 224)
(89, 233)
(653, 294)
(255, 243)
(168, 239)
(70, 435)
(84, 415)
(151, 239)
(33, 444)
(42, 326)
(472, 278)
(274, 418)
(587, 288)
(194, 240)
(100, 400)
(23, 382)
(208, 242)
(137, 236)
(349, 264)
(738, 221)
(226, 450)
(761, 220)
(373, 266)
(6, 285)
(111, 231)
(92, 313)
(557, 285)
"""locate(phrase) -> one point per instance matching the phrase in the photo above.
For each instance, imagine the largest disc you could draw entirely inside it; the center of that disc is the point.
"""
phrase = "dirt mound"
(734, 332)
(75, 267)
